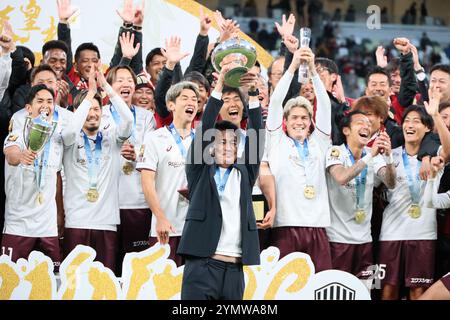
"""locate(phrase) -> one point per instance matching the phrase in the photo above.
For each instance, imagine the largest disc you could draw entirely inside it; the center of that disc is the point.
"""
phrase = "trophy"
(240, 53)
(37, 132)
(305, 37)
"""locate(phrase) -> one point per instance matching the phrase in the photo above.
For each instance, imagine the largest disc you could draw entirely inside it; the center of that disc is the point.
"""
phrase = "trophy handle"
(27, 122)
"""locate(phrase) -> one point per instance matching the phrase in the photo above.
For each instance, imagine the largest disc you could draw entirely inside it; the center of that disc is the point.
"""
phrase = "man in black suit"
(220, 233)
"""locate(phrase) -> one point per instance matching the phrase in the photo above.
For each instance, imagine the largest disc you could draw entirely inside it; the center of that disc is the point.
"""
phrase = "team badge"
(335, 153)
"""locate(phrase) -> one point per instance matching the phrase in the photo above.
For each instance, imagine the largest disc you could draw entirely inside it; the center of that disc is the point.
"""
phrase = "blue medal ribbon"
(39, 168)
(303, 153)
(117, 119)
(93, 161)
(413, 183)
(178, 139)
(221, 182)
(360, 181)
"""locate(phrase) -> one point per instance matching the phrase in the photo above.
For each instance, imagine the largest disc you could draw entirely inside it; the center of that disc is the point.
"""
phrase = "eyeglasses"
(322, 69)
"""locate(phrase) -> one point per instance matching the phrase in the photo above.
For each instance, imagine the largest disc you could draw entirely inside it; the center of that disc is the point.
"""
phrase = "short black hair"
(346, 121)
(27, 53)
(228, 89)
(34, 90)
(425, 118)
(329, 64)
(55, 44)
(197, 77)
(377, 70)
(441, 67)
(151, 54)
(444, 105)
(40, 68)
(81, 95)
(393, 66)
(86, 46)
(224, 125)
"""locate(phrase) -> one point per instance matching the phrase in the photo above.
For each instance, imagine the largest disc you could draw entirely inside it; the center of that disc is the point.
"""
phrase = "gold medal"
(40, 199)
(128, 168)
(360, 216)
(414, 211)
(309, 192)
(92, 195)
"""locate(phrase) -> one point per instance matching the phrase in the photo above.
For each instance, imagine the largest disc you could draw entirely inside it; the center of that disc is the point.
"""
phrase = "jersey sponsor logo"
(421, 280)
(176, 164)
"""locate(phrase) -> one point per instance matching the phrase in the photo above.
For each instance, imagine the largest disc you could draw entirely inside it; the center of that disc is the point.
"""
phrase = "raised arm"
(432, 108)
(65, 12)
(323, 115)
(7, 46)
(431, 198)
(198, 60)
(275, 113)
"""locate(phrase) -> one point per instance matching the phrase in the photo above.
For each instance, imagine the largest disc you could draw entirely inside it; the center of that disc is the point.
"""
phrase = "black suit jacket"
(203, 224)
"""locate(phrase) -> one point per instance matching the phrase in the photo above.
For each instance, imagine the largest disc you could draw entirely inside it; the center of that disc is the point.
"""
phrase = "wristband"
(367, 158)
(388, 159)
(127, 25)
(137, 28)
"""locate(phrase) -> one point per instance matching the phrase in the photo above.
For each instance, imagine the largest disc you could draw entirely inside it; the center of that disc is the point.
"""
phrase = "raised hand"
(205, 23)
(172, 52)
(6, 38)
(402, 45)
(306, 55)
(437, 163)
(249, 81)
(63, 93)
(415, 55)
(291, 43)
(338, 89)
(287, 26)
(127, 151)
(127, 13)
(138, 18)
(126, 40)
(432, 106)
(65, 10)
(381, 57)
(228, 30)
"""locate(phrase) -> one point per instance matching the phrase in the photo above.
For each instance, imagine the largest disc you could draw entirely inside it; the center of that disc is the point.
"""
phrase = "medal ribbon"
(413, 183)
(221, 182)
(303, 152)
(117, 120)
(41, 166)
(93, 162)
(360, 181)
(178, 140)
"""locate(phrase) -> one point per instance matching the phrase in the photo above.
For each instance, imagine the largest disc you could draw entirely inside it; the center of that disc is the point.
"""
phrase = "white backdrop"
(35, 21)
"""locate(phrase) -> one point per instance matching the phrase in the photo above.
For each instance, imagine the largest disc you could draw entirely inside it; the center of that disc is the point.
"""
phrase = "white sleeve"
(275, 114)
(432, 199)
(70, 132)
(126, 116)
(323, 116)
(5, 73)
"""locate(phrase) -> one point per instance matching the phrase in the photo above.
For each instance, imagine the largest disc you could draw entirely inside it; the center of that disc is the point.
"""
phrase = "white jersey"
(131, 195)
(292, 175)
(102, 214)
(162, 155)
(23, 215)
(344, 227)
(397, 223)
(230, 235)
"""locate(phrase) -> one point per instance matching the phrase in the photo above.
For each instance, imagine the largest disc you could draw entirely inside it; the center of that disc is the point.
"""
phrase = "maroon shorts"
(356, 259)
(173, 243)
(313, 241)
(102, 241)
(264, 238)
(20, 247)
(134, 229)
(408, 262)
(446, 281)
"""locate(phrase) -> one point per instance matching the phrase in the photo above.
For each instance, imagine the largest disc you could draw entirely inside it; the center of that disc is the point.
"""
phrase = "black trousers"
(209, 279)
